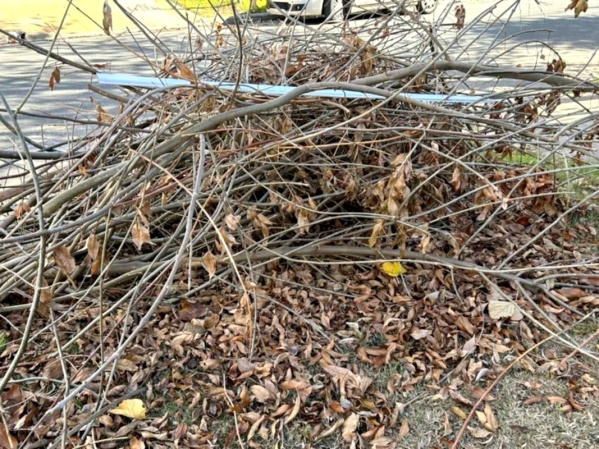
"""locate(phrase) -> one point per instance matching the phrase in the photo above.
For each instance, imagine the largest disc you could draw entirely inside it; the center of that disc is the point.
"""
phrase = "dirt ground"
(40, 18)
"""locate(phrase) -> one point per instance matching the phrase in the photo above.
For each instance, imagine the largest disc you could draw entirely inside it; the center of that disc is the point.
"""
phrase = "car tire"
(340, 9)
(427, 6)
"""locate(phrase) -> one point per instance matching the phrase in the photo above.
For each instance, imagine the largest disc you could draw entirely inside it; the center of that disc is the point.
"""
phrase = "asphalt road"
(527, 39)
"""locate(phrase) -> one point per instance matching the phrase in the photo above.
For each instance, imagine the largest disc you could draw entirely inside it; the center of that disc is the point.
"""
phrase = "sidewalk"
(40, 18)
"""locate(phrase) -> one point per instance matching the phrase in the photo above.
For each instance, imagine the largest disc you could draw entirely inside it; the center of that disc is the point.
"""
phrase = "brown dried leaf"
(460, 15)
(419, 334)
(260, 393)
(106, 17)
(578, 6)
(571, 293)
(184, 72)
(46, 297)
(376, 230)
(232, 221)
(106, 420)
(140, 234)
(349, 427)
(92, 246)
(492, 423)
(479, 433)
(64, 260)
(136, 443)
(209, 263)
(21, 209)
(191, 310)
(447, 430)
(382, 442)
(102, 115)
(7, 441)
(54, 78)
(405, 429)
(556, 400)
(98, 264)
(294, 411)
(180, 431)
(456, 181)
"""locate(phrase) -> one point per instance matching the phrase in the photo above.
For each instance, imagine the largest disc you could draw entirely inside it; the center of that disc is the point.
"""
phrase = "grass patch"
(575, 179)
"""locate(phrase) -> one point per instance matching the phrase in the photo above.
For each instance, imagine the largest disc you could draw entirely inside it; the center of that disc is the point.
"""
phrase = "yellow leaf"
(458, 412)
(131, 408)
(393, 269)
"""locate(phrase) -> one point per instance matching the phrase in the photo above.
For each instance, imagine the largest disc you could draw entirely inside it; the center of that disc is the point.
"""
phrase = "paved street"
(530, 26)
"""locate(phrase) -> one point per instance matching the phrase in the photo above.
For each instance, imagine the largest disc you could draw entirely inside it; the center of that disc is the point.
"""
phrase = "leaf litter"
(321, 244)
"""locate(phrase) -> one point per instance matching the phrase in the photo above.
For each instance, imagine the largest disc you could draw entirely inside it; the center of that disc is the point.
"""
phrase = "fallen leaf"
(232, 221)
(405, 429)
(7, 441)
(106, 17)
(477, 432)
(98, 264)
(140, 235)
(46, 297)
(54, 78)
(294, 411)
(392, 269)
(184, 71)
(492, 423)
(504, 309)
(349, 427)
(21, 209)
(64, 260)
(260, 393)
(136, 443)
(381, 442)
(458, 412)
(180, 431)
(556, 400)
(578, 6)
(376, 230)
(419, 334)
(102, 115)
(209, 262)
(447, 430)
(131, 408)
(460, 15)
(191, 310)
(92, 246)
(571, 293)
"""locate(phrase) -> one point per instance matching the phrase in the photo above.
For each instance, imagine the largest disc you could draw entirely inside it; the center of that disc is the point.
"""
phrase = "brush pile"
(262, 258)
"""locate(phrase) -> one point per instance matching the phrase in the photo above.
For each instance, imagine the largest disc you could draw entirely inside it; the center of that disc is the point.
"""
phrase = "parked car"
(343, 8)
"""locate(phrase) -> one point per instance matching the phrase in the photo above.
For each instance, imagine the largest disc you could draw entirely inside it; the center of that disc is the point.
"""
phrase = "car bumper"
(304, 8)
(312, 8)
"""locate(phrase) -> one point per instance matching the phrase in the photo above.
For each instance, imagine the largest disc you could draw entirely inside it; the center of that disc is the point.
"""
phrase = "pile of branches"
(256, 239)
